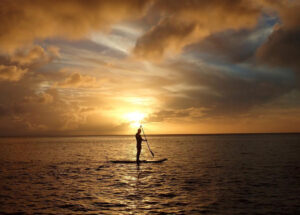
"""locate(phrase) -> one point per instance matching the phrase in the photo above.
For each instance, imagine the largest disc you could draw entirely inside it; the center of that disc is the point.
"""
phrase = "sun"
(134, 118)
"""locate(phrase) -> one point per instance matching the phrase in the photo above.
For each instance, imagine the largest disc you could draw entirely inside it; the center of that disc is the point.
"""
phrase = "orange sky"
(103, 67)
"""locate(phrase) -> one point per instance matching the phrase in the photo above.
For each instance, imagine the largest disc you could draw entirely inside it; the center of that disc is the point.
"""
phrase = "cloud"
(231, 46)
(34, 109)
(35, 56)
(168, 115)
(209, 92)
(14, 66)
(42, 98)
(186, 22)
(216, 79)
(289, 13)
(282, 48)
(76, 80)
(11, 73)
(23, 23)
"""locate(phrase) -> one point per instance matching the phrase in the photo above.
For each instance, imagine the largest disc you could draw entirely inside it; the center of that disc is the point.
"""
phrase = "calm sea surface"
(215, 174)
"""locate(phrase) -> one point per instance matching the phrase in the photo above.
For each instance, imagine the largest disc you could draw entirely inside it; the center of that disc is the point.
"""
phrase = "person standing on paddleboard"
(139, 140)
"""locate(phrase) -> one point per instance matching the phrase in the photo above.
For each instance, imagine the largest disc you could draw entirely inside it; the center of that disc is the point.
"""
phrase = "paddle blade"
(152, 153)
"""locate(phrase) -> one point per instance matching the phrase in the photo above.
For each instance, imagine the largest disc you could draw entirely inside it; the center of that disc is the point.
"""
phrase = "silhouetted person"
(139, 140)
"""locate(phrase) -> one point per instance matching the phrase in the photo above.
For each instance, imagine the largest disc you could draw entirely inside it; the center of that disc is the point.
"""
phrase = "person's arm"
(142, 138)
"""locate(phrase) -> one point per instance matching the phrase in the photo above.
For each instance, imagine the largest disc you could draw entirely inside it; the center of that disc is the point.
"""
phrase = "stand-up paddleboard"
(142, 161)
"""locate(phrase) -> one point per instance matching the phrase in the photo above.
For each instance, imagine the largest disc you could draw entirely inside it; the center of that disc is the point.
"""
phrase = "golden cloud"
(76, 80)
(36, 55)
(11, 73)
(16, 65)
(22, 22)
(42, 98)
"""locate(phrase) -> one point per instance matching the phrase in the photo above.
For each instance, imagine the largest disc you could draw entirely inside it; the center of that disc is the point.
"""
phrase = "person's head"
(139, 131)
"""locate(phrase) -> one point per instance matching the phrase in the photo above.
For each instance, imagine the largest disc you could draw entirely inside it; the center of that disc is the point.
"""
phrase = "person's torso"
(138, 138)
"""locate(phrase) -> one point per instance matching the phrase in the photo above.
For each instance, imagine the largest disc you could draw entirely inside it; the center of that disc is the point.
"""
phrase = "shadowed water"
(214, 174)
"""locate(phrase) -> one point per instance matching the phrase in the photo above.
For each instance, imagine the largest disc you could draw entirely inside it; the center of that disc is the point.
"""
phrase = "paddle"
(147, 141)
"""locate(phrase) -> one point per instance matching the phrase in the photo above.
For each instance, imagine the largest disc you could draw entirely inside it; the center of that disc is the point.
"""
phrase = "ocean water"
(212, 174)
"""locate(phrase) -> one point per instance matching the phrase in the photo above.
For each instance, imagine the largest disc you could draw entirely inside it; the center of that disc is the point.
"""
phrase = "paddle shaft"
(147, 142)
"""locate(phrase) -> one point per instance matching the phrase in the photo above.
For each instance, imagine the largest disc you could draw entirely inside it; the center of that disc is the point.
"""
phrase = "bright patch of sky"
(121, 38)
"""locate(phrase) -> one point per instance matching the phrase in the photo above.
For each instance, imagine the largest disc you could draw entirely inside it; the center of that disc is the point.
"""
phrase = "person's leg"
(138, 154)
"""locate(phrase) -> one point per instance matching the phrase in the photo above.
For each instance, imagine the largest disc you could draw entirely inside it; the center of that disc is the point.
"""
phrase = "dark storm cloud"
(282, 49)
(223, 30)
(283, 46)
(186, 22)
(232, 46)
(217, 93)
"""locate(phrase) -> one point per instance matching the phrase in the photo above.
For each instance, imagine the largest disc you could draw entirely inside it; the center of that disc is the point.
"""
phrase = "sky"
(102, 67)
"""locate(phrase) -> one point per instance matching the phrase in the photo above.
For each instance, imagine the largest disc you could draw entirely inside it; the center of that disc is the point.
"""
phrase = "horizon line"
(170, 134)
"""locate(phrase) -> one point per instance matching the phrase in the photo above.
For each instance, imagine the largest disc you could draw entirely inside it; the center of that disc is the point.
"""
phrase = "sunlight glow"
(134, 118)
